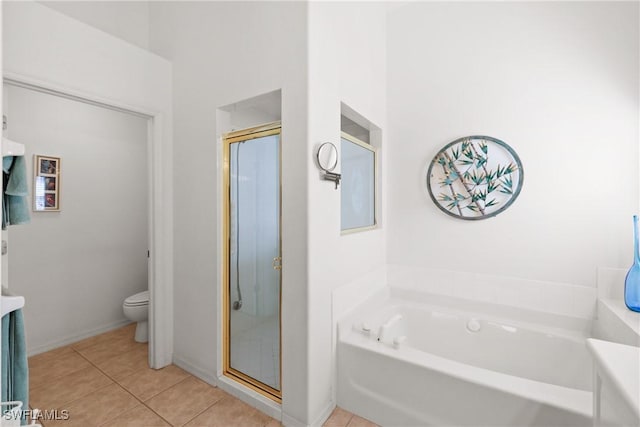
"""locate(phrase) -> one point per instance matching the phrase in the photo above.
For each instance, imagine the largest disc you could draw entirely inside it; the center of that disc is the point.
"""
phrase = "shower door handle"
(277, 263)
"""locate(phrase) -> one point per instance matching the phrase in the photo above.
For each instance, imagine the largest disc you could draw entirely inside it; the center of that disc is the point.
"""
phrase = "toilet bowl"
(136, 308)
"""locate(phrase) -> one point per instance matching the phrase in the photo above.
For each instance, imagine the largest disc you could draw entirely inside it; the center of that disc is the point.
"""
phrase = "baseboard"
(192, 368)
(249, 396)
(289, 421)
(324, 415)
(77, 337)
(245, 394)
(255, 399)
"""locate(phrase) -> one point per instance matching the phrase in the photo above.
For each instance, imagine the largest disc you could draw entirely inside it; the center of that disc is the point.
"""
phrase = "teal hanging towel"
(15, 370)
(15, 203)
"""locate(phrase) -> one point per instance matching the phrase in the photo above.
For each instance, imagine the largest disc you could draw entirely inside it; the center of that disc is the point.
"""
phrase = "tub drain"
(473, 325)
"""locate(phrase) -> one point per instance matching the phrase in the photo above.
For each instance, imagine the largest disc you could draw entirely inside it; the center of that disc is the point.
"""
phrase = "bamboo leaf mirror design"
(475, 177)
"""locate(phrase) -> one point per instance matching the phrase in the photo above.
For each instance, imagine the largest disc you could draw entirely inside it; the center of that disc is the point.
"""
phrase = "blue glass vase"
(632, 282)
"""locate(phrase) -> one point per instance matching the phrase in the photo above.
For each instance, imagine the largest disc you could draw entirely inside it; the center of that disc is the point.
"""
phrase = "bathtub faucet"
(386, 326)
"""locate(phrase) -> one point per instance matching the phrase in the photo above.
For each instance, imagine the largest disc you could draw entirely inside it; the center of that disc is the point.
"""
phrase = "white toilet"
(136, 308)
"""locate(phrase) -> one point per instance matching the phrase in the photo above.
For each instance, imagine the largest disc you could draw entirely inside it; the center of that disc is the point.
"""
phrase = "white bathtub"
(407, 363)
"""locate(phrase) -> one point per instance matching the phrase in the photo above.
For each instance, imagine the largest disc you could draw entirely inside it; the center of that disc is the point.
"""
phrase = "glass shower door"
(254, 263)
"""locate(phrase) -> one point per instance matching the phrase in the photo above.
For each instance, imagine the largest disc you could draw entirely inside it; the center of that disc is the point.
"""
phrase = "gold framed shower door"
(244, 379)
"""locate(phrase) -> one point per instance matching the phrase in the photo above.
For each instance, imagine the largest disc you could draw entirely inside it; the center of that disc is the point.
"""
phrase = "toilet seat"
(137, 300)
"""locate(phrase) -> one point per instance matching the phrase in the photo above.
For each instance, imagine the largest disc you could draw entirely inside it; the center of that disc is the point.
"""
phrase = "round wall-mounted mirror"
(327, 156)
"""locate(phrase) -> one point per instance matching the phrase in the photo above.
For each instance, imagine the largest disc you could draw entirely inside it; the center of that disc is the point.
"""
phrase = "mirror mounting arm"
(327, 156)
(330, 176)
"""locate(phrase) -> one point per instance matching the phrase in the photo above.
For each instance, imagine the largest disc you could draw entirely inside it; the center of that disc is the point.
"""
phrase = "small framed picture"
(50, 200)
(50, 183)
(48, 166)
(46, 188)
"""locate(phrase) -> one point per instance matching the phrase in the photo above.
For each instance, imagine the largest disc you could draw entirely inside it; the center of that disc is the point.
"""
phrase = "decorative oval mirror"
(475, 177)
(327, 156)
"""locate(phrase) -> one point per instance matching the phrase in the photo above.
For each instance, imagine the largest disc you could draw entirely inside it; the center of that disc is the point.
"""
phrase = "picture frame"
(46, 183)
(475, 177)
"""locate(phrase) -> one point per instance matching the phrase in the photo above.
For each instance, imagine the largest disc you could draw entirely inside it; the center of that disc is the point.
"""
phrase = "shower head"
(237, 305)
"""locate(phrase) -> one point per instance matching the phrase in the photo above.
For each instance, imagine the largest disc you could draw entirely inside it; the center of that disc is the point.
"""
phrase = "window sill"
(357, 230)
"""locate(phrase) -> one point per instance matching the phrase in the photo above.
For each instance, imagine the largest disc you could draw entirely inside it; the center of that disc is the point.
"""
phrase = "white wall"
(347, 63)
(556, 81)
(223, 53)
(128, 20)
(76, 266)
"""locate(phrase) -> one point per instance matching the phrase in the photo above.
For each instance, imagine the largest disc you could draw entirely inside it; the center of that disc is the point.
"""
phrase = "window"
(358, 188)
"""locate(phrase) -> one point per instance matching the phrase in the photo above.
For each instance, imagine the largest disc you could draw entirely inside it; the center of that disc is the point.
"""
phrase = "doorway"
(252, 263)
(77, 263)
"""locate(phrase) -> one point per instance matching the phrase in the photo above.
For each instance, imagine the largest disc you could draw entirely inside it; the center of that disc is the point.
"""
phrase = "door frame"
(273, 128)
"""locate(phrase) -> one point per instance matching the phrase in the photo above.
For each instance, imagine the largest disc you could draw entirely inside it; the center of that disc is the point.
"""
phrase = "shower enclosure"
(252, 264)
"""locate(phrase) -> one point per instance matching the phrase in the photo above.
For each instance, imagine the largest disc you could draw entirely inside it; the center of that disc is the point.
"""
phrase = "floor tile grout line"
(102, 341)
(351, 415)
(153, 410)
(127, 391)
(108, 358)
(201, 412)
(139, 401)
(144, 402)
(99, 370)
(79, 398)
(349, 422)
(76, 371)
(113, 380)
(162, 391)
(73, 350)
(49, 379)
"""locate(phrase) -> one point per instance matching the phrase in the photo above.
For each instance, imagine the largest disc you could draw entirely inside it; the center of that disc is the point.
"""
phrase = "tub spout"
(386, 326)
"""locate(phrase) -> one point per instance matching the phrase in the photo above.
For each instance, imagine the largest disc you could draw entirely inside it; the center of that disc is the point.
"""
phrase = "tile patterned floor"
(105, 381)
